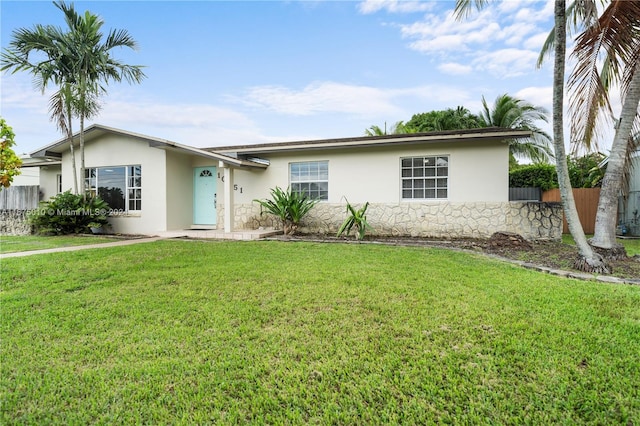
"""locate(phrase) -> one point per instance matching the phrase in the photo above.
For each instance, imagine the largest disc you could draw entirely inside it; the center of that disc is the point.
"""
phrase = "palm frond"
(464, 8)
(604, 52)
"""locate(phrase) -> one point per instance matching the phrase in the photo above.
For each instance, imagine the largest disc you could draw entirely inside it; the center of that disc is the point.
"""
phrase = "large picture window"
(311, 178)
(425, 178)
(120, 186)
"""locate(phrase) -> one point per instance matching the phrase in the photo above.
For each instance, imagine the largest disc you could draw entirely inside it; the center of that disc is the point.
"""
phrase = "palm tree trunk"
(589, 260)
(72, 150)
(82, 168)
(604, 237)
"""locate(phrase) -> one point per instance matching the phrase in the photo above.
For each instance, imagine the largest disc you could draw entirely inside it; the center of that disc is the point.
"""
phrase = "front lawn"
(15, 243)
(191, 332)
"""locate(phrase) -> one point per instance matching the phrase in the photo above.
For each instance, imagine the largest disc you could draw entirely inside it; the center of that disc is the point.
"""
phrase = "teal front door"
(204, 196)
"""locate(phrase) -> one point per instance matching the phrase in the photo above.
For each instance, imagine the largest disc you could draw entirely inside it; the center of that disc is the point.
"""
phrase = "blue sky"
(226, 73)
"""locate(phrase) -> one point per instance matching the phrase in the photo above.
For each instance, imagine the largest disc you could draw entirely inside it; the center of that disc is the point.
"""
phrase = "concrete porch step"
(219, 234)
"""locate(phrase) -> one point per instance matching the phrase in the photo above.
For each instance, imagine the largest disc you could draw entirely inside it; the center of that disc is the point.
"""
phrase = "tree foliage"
(459, 118)
(584, 172)
(507, 112)
(512, 113)
(9, 162)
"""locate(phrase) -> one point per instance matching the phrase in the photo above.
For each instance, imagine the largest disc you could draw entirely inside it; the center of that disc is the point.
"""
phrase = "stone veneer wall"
(14, 222)
(532, 220)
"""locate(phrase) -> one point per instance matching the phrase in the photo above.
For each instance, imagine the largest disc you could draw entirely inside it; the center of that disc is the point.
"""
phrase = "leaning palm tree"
(513, 113)
(615, 35)
(606, 54)
(588, 259)
(93, 65)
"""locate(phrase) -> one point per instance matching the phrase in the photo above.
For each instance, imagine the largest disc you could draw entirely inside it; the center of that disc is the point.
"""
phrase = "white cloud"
(393, 6)
(438, 44)
(538, 96)
(513, 35)
(322, 97)
(536, 41)
(507, 62)
(455, 68)
(200, 125)
(18, 92)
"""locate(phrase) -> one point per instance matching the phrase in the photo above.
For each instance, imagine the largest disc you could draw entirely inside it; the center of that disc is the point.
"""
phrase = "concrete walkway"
(85, 247)
(246, 235)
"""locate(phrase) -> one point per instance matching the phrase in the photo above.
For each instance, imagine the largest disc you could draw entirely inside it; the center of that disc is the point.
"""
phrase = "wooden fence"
(19, 197)
(586, 204)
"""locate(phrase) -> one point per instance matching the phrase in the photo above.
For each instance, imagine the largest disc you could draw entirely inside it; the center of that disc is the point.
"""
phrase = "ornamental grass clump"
(288, 206)
(357, 219)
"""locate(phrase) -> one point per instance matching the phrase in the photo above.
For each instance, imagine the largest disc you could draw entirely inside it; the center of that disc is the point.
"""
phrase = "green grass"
(11, 244)
(182, 332)
(632, 246)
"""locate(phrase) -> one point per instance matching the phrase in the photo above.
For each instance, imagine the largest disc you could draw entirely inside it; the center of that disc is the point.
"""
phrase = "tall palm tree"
(615, 35)
(588, 259)
(94, 66)
(46, 43)
(607, 57)
(513, 113)
(78, 62)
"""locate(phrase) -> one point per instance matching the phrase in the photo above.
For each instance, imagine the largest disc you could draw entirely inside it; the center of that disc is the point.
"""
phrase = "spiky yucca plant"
(357, 219)
(288, 206)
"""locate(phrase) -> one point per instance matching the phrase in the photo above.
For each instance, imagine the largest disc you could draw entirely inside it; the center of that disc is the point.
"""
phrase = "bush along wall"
(541, 176)
(69, 213)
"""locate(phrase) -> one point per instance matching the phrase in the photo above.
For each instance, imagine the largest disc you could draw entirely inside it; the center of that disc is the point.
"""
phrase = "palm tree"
(78, 62)
(588, 260)
(54, 67)
(94, 67)
(615, 35)
(513, 113)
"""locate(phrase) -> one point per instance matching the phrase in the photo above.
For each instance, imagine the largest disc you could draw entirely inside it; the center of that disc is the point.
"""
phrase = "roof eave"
(365, 142)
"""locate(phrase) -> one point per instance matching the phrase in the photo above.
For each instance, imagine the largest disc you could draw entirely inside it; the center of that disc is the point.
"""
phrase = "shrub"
(541, 176)
(288, 206)
(69, 213)
(357, 219)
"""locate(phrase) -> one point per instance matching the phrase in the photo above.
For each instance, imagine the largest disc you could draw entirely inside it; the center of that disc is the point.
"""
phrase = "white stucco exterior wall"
(179, 181)
(48, 181)
(478, 171)
(121, 150)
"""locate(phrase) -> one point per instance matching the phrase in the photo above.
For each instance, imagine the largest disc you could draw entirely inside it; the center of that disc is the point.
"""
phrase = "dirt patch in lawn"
(548, 254)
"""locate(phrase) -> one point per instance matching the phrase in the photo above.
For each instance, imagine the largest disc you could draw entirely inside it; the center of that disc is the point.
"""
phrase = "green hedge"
(541, 176)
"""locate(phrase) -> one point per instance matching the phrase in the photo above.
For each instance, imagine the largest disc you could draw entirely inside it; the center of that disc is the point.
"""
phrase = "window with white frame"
(425, 178)
(59, 183)
(311, 178)
(119, 186)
